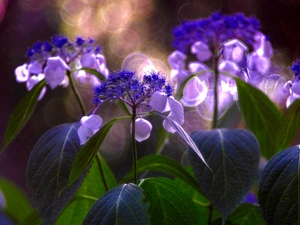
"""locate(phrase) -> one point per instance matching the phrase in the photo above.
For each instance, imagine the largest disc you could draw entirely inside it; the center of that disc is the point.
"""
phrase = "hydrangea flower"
(224, 40)
(52, 60)
(214, 30)
(151, 93)
(294, 85)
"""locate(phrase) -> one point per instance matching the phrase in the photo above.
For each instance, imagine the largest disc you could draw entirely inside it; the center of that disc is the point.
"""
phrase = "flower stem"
(134, 150)
(216, 81)
(210, 208)
(98, 158)
(76, 93)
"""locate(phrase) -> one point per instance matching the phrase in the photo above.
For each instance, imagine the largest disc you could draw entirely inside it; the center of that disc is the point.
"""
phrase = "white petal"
(176, 114)
(234, 50)
(142, 129)
(201, 50)
(296, 87)
(180, 75)
(35, 67)
(176, 60)
(43, 92)
(55, 62)
(258, 63)
(195, 67)
(80, 76)
(158, 101)
(177, 111)
(65, 82)
(262, 46)
(194, 92)
(22, 73)
(229, 67)
(101, 65)
(95, 81)
(54, 77)
(31, 82)
(84, 134)
(88, 60)
(93, 121)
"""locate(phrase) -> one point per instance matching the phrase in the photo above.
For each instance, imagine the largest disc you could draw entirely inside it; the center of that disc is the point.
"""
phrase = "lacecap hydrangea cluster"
(152, 92)
(233, 42)
(54, 60)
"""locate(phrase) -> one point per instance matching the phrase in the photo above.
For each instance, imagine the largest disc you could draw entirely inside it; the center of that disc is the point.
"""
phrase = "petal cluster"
(293, 85)
(214, 30)
(52, 60)
(223, 40)
(152, 92)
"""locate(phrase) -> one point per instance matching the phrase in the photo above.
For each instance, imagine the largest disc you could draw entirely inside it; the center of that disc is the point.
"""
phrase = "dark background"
(22, 22)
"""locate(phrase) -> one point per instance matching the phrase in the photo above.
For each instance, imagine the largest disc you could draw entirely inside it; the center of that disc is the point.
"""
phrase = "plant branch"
(76, 93)
(134, 150)
(216, 81)
(98, 158)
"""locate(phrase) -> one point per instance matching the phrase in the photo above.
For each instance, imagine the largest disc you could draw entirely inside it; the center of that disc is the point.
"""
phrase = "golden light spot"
(75, 12)
(123, 42)
(117, 15)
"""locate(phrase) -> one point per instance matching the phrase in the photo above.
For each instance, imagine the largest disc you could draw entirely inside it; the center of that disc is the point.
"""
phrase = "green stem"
(210, 208)
(216, 81)
(76, 93)
(134, 150)
(98, 158)
(79, 196)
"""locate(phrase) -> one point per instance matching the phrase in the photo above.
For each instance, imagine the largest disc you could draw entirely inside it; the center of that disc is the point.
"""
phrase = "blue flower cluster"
(296, 67)
(63, 47)
(125, 82)
(215, 29)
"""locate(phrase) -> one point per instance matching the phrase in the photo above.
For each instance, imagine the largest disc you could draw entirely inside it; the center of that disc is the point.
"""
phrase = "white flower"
(142, 129)
(21, 73)
(89, 126)
(160, 102)
(201, 50)
(55, 71)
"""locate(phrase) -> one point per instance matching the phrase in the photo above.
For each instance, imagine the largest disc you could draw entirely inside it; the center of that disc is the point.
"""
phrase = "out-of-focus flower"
(294, 85)
(222, 41)
(214, 30)
(53, 60)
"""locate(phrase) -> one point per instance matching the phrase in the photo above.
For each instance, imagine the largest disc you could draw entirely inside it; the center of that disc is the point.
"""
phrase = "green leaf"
(22, 113)
(49, 167)
(92, 188)
(289, 126)
(163, 164)
(94, 72)
(163, 137)
(122, 205)
(15, 204)
(262, 117)
(231, 117)
(201, 202)
(279, 188)
(169, 203)
(33, 218)
(246, 214)
(233, 155)
(87, 153)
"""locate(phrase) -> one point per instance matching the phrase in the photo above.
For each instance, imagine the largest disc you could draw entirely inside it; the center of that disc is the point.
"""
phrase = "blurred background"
(135, 33)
